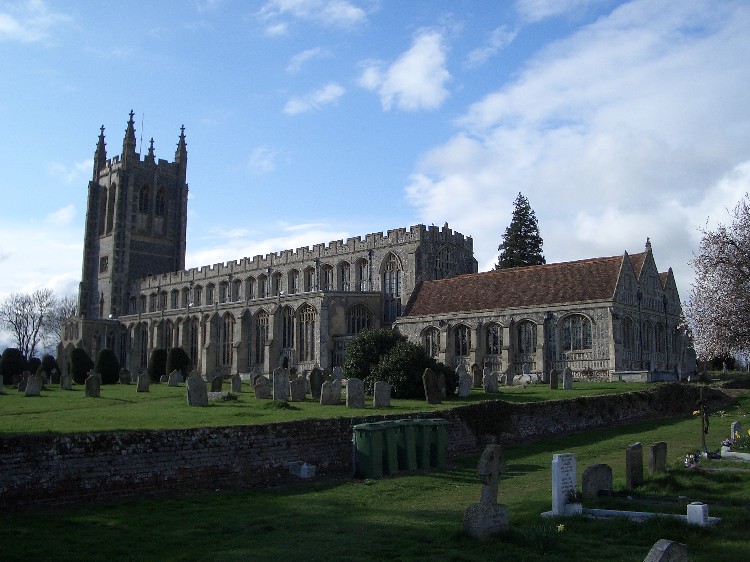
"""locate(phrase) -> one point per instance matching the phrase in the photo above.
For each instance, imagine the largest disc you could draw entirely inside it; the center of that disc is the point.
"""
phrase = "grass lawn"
(165, 407)
(417, 516)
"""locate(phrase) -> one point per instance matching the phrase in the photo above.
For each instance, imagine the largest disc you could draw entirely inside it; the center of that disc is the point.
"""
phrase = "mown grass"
(120, 407)
(417, 516)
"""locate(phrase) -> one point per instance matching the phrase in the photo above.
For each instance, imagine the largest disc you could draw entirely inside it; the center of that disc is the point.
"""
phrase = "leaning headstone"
(432, 391)
(735, 431)
(93, 385)
(236, 384)
(280, 384)
(66, 382)
(564, 477)
(175, 378)
(595, 479)
(316, 381)
(553, 379)
(216, 383)
(634, 466)
(355, 393)
(34, 385)
(297, 390)
(330, 393)
(567, 379)
(465, 383)
(381, 397)
(657, 459)
(197, 391)
(487, 518)
(144, 383)
(491, 383)
(125, 377)
(667, 551)
(262, 387)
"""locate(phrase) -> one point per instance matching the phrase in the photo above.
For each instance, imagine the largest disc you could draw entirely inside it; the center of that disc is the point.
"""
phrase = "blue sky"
(313, 120)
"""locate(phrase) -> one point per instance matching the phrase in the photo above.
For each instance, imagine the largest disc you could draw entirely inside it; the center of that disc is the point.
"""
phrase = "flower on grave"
(736, 434)
(696, 412)
(727, 442)
(560, 528)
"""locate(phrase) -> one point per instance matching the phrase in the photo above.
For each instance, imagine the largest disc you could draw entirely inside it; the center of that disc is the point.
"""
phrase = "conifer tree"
(522, 244)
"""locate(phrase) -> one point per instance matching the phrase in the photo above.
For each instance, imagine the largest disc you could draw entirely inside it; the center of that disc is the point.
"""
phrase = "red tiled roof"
(637, 261)
(577, 281)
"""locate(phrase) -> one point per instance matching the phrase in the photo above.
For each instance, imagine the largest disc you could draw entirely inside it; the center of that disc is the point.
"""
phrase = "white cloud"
(636, 125)
(500, 38)
(262, 160)
(29, 22)
(536, 10)
(298, 60)
(327, 13)
(315, 99)
(71, 173)
(62, 217)
(416, 80)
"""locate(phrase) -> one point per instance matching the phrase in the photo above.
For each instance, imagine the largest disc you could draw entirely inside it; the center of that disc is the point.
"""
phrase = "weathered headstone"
(236, 383)
(476, 375)
(487, 518)
(634, 466)
(667, 551)
(491, 383)
(34, 385)
(316, 382)
(657, 459)
(297, 390)
(567, 379)
(464, 385)
(381, 397)
(697, 513)
(144, 383)
(432, 391)
(330, 393)
(262, 387)
(164, 378)
(197, 391)
(66, 381)
(509, 376)
(23, 380)
(478, 382)
(442, 385)
(338, 373)
(93, 385)
(125, 376)
(355, 393)
(735, 431)
(564, 478)
(595, 479)
(216, 383)
(175, 378)
(553, 384)
(280, 384)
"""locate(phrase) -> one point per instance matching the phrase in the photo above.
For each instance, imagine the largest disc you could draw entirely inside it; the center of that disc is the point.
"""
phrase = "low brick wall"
(51, 470)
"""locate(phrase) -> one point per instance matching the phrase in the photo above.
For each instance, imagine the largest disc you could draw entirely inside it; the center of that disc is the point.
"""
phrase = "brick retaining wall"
(43, 470)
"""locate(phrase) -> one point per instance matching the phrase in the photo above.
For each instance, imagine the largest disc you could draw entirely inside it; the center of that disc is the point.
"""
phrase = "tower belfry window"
(161, 204)
(143, 200)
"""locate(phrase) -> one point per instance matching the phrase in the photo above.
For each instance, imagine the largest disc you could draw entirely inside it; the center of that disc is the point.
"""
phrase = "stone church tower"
(136, 221)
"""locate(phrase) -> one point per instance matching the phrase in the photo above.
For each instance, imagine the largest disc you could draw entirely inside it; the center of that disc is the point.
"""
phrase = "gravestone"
(567, 379)
(164, 378)
(478, 382)
(487, 518)
(125, 377)
(431, 387)
(305, 376)
(262, 387)
(634, 466)
(280, 384)
(491, 383)
(667, 551)
(34, 385)
(93, 385)
(657, 459)
(464, 385)
(236, 384)
(23, 380)
(476, 375)
(553, 379)
(442, 385)
(66, 382)
(355, 393)
(175, 378)
(316, 382)
(196, 390)
(338, 373)
(330, 393)
(697, 514)
(735, 431)
(564, 477)
(509, 376)
(381, 397)
(297, 390)
(144, 383)
(216, 383)
(596, 478)
(54, 377)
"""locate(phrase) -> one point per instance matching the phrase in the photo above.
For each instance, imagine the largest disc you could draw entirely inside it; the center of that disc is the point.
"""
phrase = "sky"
(309, 121)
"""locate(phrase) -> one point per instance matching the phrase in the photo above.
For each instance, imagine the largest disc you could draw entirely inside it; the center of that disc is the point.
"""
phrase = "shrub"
(178, 359)
(157, 364)
(33, 364)
(49, 364)
(451, 378)
(80, 365)
(365, 351)
(12, 364)
(108, 366)
(402, 367)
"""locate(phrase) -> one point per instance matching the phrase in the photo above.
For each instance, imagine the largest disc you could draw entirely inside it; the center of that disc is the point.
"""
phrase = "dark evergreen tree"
(108, 366)
(80, 365)
(522, 243)
(179, 360)
(157, 364)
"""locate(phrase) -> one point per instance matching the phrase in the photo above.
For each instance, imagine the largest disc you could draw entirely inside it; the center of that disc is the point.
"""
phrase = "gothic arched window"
(345, 269)
(431, 341)
(226, 339)
(261, 336)
(358, 319)
(392, 289)
(160, 209)
(660, 338)
(287, 328)
(306, 342)
(628, 333)
(526, 337)
(493, 339)
(143, 200)
(445, 266)
(462, 342)
(327, 274)
(575, 333)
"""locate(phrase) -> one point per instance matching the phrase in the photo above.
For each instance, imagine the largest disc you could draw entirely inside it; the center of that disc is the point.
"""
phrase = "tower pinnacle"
(128, 143)
(100, 155)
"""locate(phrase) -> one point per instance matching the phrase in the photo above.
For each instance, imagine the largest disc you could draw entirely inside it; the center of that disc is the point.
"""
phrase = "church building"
(299, 308)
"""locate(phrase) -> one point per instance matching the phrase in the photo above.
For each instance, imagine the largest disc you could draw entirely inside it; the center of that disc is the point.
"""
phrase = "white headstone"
(697, 514)
(564, 477)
